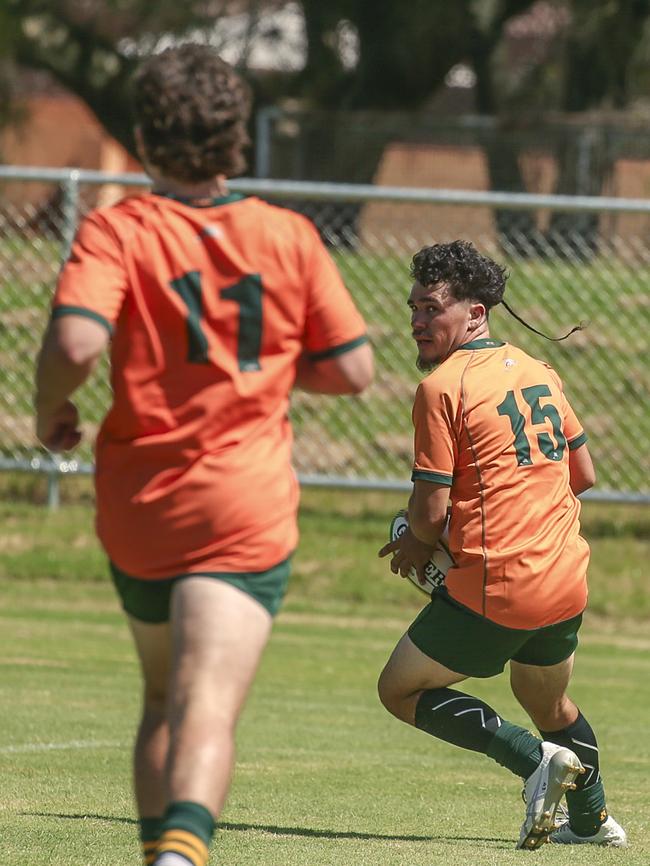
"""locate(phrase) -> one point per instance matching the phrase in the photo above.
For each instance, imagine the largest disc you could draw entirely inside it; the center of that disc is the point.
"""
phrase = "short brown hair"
(192, 109)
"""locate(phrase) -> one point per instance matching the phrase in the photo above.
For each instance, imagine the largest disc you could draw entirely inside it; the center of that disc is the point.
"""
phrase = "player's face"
(440, 323)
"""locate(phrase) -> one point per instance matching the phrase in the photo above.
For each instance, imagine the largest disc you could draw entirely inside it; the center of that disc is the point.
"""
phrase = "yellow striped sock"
(149, 850)
(185, 843)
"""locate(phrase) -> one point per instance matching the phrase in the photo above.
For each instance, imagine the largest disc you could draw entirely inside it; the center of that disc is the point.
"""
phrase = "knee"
(383, 692)
(554, 716)
(391, 697)
(154, 701)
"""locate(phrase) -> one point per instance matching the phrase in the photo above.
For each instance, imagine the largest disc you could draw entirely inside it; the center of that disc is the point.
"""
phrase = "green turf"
(336, 560)
(324, 775)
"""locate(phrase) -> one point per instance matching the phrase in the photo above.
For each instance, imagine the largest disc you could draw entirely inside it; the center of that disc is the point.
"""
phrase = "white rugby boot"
(610, 835)
(542, 793)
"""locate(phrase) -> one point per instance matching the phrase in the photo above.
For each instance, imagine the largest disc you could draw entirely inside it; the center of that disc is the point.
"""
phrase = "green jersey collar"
(485, 343)
(204, 202)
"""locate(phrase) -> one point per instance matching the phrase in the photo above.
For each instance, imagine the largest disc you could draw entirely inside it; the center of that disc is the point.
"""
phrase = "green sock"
(586, 805)
(150, 829)
(587, 810)
(187, 830)
(470, 723)
(516, 749)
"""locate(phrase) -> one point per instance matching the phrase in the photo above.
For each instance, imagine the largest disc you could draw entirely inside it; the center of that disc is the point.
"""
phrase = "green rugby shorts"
(469, 644)
(149, 600)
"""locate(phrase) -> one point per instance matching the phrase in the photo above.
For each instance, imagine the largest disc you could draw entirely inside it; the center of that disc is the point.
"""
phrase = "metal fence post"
(264, 120)
(69, 210)
(53, 488)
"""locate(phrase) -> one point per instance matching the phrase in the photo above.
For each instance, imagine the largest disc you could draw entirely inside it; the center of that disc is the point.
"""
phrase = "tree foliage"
(91, 47)
(359, 54)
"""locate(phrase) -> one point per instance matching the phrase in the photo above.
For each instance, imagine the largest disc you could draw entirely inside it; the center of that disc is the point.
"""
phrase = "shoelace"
(562, 815)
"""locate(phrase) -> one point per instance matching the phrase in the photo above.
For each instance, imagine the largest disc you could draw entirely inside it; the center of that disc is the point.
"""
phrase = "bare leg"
(407, 674)
(542, 693)
(152, 742)
(218, 636)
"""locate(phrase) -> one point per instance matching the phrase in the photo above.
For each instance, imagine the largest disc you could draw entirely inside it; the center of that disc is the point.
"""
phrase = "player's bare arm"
(427, 510)
(582, 474)
(348, 373)
(70, 350)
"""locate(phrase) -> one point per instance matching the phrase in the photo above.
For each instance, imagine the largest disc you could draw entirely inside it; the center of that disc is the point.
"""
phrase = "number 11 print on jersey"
(247, 294)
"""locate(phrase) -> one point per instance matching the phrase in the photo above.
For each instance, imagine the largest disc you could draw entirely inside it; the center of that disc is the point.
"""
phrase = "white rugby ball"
(436, 569)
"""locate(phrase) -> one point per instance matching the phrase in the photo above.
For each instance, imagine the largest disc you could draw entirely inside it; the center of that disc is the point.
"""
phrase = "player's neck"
(215, 187)
(480, 333)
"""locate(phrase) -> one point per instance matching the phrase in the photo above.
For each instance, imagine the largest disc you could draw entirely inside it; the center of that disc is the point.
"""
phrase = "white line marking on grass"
(45, 663)
(54, 747)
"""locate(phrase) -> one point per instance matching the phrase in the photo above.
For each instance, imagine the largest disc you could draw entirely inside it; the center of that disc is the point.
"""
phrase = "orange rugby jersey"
(494, 424)
(209, 309)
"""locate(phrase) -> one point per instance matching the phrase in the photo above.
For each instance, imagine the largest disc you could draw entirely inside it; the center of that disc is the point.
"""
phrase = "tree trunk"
(585, 162)
(517, 230)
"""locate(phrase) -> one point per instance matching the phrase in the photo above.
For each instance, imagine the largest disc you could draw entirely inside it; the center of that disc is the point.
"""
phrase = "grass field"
(324, 775)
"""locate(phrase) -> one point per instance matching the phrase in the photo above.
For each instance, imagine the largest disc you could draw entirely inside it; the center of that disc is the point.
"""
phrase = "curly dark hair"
(464, 269)
(192, 109)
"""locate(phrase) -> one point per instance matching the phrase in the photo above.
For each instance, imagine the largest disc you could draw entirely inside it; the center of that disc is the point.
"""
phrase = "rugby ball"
(436, 569)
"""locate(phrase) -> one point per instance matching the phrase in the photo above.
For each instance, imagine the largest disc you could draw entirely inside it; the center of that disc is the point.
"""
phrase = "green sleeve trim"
(578, 441)
(338, 350)
(485, 343)
(59, 312)
(434, 477)
(204, 202)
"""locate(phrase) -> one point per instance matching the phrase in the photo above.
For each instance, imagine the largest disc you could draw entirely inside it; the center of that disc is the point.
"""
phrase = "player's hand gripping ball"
(436, 569)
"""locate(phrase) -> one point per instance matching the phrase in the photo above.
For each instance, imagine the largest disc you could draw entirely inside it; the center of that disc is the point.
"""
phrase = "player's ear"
(477, 315)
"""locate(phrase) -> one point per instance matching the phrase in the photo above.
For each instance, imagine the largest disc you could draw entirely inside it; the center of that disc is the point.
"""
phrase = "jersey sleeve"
(435, 443)
(93, 281)
(333, 323)
(573, 431)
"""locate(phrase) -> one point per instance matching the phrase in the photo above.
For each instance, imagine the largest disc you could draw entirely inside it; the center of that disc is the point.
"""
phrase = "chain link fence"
(571, 259)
